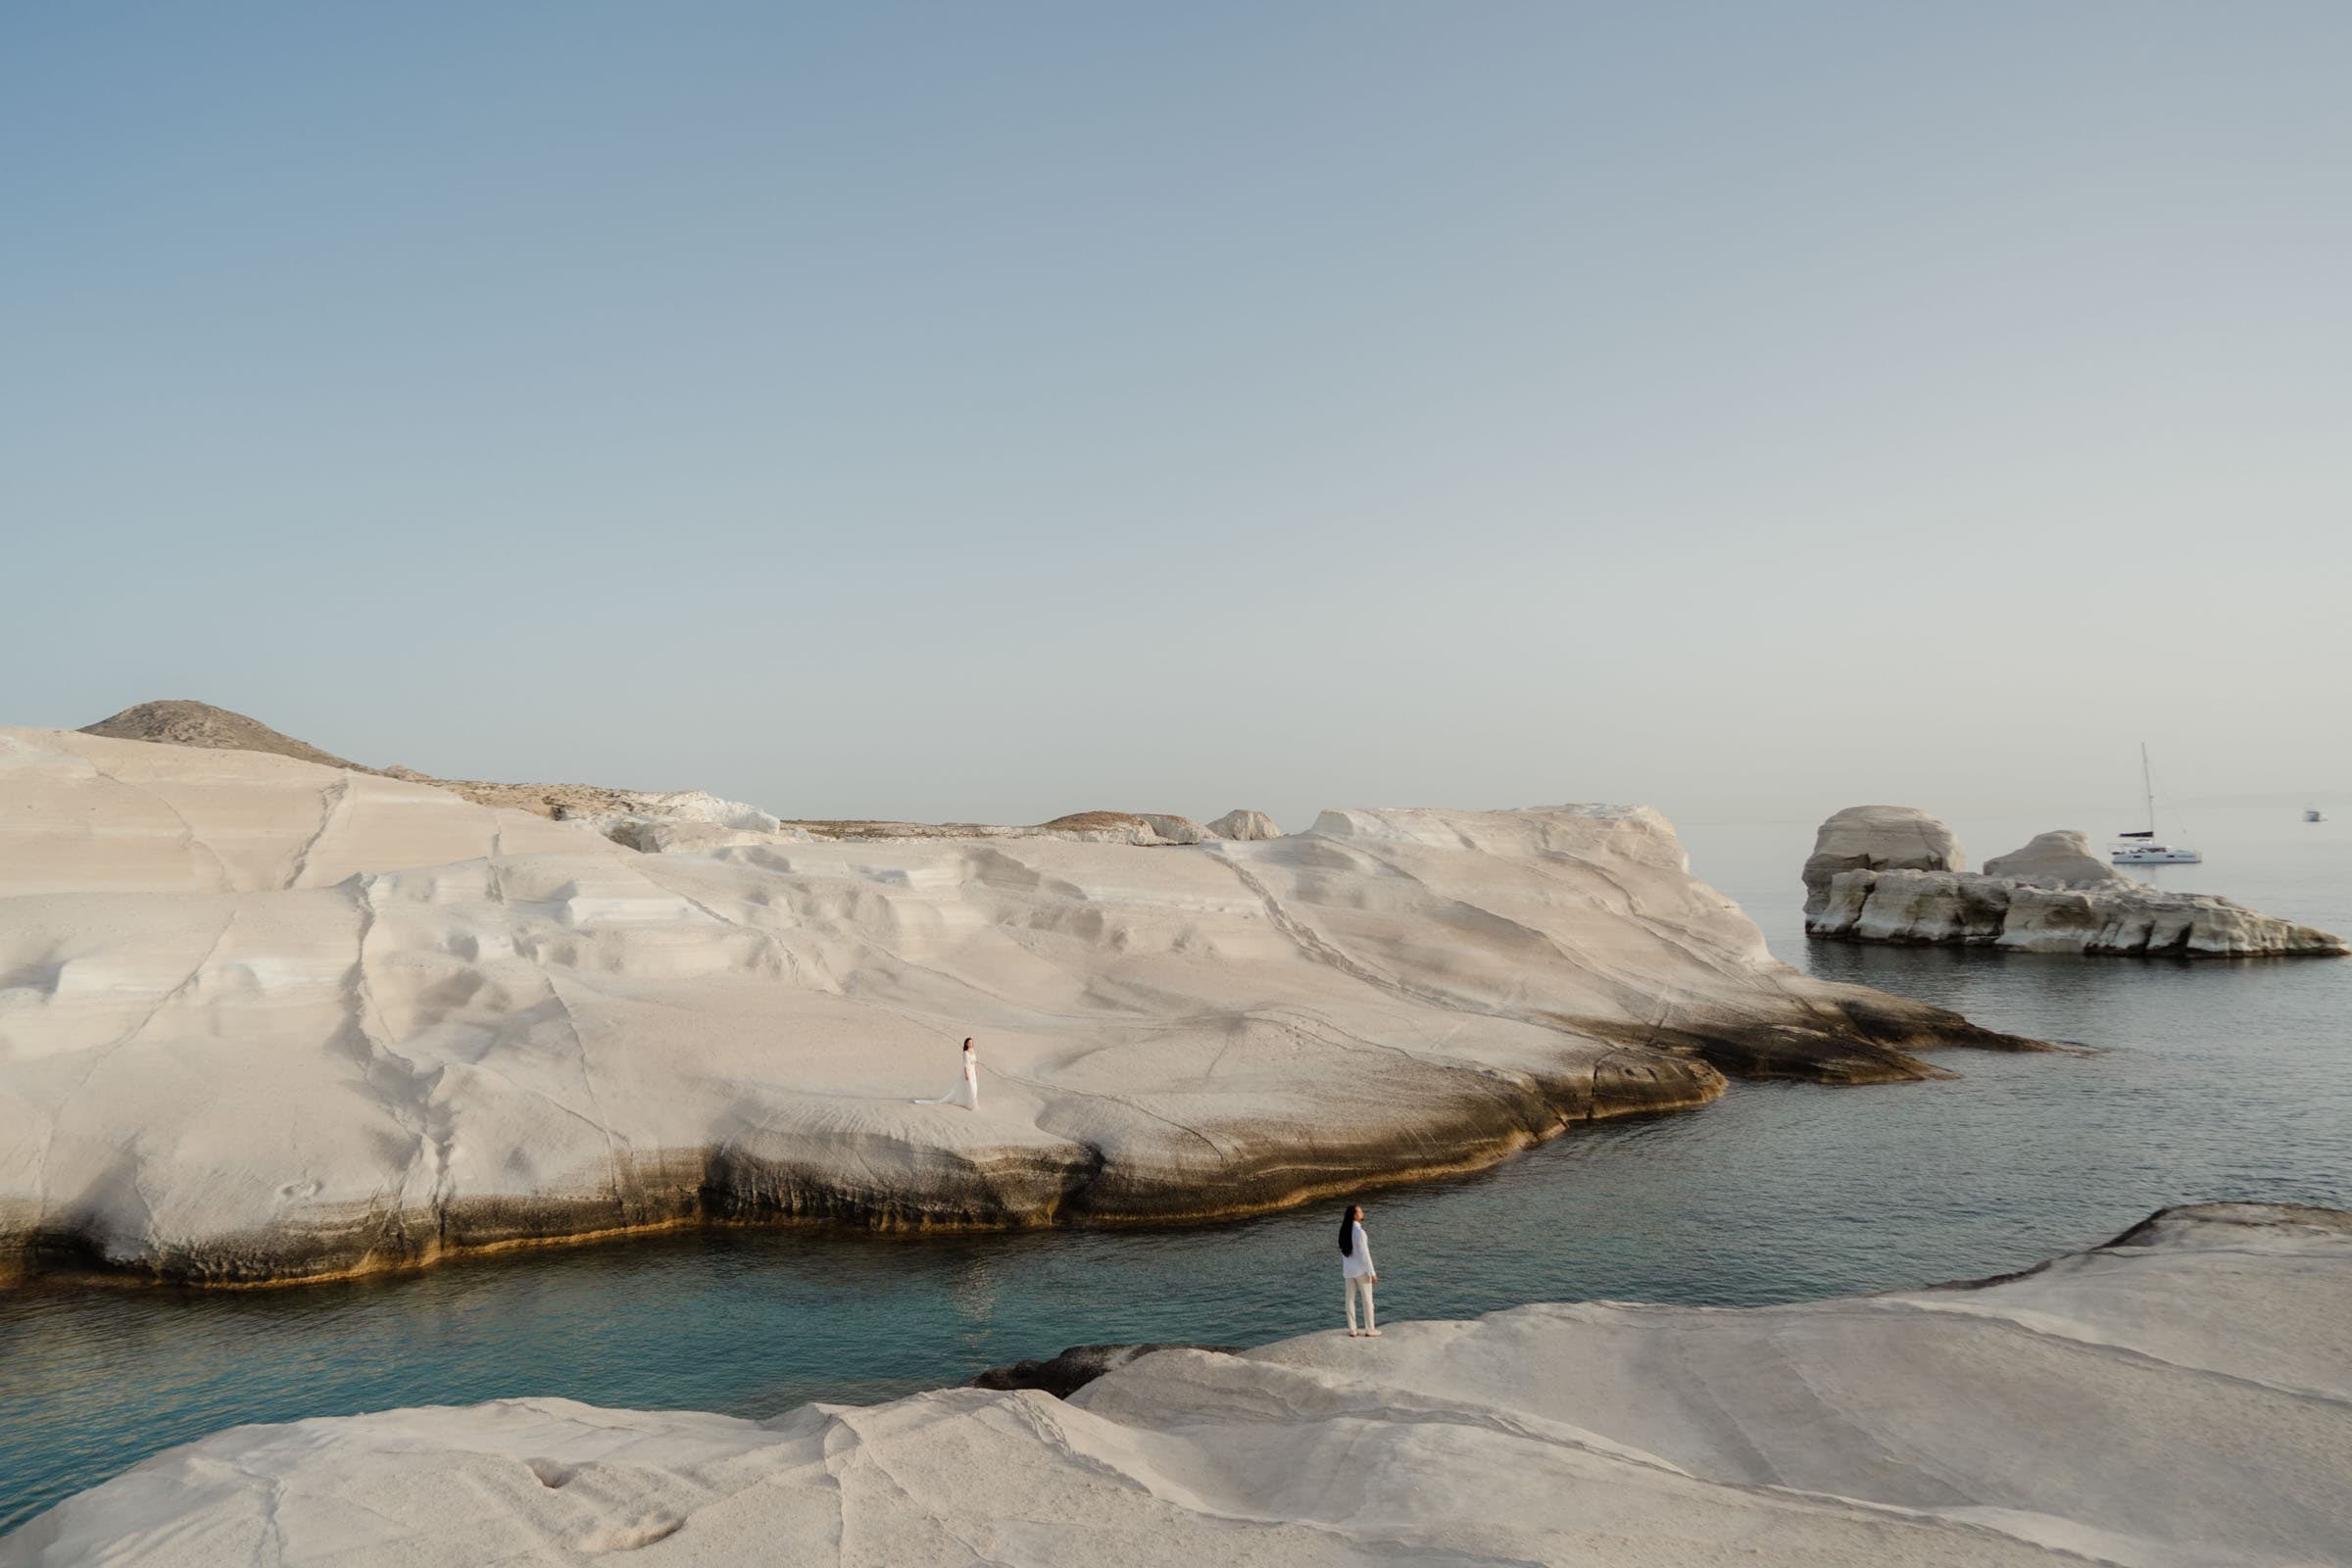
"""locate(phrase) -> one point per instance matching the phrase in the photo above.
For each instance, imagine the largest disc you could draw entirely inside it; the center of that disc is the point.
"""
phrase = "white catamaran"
(2139, 847)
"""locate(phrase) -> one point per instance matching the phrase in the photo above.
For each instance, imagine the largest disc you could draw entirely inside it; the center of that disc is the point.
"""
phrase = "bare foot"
(1353, 1335)
(1371, 1334)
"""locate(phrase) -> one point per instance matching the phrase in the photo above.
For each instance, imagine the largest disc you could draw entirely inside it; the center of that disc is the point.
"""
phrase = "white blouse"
(1357, 1264)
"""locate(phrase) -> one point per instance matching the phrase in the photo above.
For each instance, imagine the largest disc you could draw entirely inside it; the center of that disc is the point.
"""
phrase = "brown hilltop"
(190, 723)
(182, 722)
(187, 723)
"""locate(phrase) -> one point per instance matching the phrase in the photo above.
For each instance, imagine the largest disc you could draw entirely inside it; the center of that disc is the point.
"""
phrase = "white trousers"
(1351, 1289)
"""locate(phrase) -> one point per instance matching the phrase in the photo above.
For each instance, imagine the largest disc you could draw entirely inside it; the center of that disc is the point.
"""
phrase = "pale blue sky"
(1002, 409)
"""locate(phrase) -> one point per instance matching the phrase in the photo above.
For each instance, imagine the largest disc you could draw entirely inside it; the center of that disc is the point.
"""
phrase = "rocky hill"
(648, 819)
(182, 722)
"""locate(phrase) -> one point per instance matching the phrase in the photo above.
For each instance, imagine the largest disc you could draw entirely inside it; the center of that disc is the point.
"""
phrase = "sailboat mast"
(2148, 784)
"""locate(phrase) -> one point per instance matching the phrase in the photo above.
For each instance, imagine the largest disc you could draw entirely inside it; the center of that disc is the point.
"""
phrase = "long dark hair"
(1347, 1231)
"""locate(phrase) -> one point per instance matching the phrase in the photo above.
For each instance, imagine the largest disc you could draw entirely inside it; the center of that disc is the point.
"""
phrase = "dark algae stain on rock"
(1074, 1368)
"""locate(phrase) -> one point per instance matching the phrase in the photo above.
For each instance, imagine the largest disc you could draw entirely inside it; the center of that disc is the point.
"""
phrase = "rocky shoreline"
(272, 1021)
(2182, 1394)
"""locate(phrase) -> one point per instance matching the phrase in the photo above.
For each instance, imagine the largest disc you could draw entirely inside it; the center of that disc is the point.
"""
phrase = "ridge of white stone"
(1892, 874)
(262, 1019)
(2193, 1413)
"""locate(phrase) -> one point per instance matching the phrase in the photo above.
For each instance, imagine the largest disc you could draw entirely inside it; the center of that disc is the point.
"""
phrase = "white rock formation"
(687, 819)
(263, 1019)
(2181, 1396)
(1081, 828)
(1246, 826)
(1878, 838)
(700, 806)
(2052, 895)
(2063, 858)
(654, 835)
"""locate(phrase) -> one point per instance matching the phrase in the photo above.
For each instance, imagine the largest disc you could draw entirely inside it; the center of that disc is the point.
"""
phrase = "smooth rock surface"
(1246, 826)
(1876, 838)
(264, 1020)
(2052, 895)
(2180, 1396)
(2063, 858)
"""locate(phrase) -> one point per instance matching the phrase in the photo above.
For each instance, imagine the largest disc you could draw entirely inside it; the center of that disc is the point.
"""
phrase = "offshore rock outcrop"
(263, 1020)
(2052, 895)
(2182, 1395)
(1876, 838)
(2063, 858)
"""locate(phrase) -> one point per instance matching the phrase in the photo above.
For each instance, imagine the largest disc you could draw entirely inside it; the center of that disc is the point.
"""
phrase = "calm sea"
(2215, 1080)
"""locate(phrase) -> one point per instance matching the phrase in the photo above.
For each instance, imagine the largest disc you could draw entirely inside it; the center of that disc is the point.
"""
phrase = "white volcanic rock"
(2118, 918)
(654, 835)
(686, 819)
(81, 815)
(2063, 858)
(1878, 838)
(2180, 1396)
(1910, 907)
(2053, 896)
(700, 806)
(1246, 826)
(1080, 827)
(264, 1019)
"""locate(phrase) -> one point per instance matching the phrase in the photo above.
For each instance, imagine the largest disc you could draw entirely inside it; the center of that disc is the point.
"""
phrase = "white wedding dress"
(966, 1091)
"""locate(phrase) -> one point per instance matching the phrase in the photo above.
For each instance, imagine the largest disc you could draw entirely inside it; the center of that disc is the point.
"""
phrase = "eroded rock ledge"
(1074, 1368)
(264, 1020)
(1890, 873)
(2182, 1394)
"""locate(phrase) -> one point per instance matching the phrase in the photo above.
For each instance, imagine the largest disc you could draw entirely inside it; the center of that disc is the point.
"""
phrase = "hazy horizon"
(990, 413)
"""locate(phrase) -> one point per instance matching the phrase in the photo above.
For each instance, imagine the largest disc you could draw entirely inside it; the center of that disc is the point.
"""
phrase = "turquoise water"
(2215, 1080)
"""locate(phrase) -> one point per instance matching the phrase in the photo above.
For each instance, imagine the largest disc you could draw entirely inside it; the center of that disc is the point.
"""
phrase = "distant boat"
(2312, 813)
(2138, 847)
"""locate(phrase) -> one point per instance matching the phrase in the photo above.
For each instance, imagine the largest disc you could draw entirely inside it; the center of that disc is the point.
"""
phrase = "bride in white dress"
(966, 1091)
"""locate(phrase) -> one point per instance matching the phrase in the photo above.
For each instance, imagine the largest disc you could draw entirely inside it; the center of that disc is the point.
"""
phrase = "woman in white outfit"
(1355, 1272)
(967, 1091)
